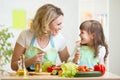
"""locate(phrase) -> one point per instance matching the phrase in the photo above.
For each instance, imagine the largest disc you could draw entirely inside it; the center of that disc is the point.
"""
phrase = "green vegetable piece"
(54, 72)
(69, 69)
(46, 65)
(88, 74)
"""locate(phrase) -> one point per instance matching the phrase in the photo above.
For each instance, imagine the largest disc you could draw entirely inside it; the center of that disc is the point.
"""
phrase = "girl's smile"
(86, 38)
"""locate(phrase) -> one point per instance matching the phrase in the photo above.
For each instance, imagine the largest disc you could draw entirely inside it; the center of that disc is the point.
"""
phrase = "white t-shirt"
(26, 36)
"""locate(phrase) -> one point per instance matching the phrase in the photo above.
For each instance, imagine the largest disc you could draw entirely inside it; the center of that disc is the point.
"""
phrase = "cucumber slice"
(88, 74)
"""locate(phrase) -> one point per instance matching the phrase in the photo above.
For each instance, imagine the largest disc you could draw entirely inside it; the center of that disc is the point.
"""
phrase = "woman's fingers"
(41, 52)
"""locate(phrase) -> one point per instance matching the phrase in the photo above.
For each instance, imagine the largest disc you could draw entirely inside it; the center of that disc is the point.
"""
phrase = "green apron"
(50, 55)
(87, 57)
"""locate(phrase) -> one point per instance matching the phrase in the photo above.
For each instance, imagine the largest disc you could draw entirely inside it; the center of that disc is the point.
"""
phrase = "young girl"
(93, 48)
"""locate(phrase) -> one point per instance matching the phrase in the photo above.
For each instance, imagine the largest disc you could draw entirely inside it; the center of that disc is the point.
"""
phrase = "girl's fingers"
(78, 41)
(77, 55)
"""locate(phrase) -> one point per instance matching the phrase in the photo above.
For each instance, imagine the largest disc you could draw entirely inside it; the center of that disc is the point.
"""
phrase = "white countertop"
(107, 76)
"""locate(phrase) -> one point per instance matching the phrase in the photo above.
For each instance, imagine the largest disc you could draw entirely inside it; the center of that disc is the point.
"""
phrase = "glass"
(38, 65)
(22, 71)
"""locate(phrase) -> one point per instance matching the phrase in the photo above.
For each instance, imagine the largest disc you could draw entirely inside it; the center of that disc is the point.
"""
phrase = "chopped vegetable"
(51, 68)
(68, 69)
(54, 72)
(100, 67)
(46, 65)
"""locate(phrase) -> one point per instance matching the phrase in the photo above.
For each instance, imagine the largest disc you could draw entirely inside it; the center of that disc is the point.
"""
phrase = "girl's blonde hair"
(94, 27)
(44, 16)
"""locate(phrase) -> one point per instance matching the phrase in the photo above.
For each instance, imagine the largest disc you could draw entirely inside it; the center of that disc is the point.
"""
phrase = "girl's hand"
(78, 41)
(76, 57)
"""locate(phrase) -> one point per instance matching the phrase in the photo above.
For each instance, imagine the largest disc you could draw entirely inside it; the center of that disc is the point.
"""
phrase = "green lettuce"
(69, 69)
(45, 65)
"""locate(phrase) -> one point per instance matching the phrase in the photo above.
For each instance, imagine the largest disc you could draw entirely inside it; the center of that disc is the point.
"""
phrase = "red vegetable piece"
(100, 67)
(51, 68)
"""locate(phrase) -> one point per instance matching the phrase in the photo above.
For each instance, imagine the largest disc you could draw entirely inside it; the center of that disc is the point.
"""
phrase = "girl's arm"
(77, 53)
(101, 54)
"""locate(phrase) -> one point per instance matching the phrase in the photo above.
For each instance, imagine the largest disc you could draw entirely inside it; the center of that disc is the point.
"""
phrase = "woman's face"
(56, 25)
(85, 37)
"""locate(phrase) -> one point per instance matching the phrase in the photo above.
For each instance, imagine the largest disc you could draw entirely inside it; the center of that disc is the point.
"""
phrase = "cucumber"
(88, 74)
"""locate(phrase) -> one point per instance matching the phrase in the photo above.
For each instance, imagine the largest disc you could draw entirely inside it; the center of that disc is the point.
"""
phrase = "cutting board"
(39, 73)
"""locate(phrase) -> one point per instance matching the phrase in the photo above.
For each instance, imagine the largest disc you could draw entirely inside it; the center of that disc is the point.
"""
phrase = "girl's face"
(85, 37)
(56, 25)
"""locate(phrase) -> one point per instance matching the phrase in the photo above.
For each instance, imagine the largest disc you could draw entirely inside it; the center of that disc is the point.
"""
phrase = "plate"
(39, 73)
(88, 74)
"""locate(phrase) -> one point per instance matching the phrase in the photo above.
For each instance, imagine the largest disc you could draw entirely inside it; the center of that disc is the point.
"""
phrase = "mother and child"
(43, 41)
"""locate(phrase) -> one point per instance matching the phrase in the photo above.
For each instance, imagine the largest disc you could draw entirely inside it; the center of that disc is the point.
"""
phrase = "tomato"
(81, 68)
(100, 67)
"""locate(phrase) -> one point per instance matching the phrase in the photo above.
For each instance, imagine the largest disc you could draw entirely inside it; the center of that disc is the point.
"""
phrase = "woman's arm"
(64, 55)
(18, 51)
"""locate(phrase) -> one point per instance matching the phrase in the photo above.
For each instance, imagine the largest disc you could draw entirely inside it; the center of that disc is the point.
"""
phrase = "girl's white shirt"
(26, 36)
(102, 52)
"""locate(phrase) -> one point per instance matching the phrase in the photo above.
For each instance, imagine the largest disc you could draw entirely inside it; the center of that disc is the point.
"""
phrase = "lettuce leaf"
(45, 65)
(69, 69)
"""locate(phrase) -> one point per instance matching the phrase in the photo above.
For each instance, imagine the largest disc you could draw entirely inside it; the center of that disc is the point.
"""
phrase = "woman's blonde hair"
(44, 16)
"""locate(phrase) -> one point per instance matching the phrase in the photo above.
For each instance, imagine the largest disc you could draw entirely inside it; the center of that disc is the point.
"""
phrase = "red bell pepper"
(100, 67)
(51, 68)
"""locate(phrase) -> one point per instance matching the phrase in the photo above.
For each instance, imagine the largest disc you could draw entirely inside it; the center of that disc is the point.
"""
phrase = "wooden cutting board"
(39, 73)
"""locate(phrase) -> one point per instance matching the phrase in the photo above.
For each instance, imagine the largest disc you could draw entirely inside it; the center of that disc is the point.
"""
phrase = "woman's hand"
(40, 55)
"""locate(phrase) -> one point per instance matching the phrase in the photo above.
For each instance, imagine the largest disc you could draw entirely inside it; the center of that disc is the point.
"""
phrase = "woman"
(41, 39)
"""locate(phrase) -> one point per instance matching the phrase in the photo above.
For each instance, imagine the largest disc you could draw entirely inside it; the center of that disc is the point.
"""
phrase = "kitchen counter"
(107, 76)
